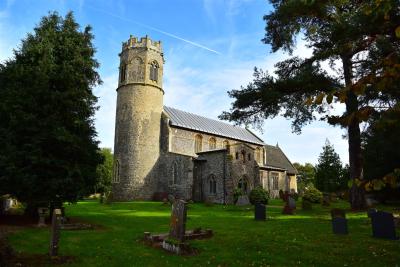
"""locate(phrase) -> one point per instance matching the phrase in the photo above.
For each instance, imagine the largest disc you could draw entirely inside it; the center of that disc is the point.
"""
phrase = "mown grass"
(304, 239)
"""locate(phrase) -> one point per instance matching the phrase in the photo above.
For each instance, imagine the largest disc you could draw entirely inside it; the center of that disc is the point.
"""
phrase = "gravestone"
(383, 225)
(291, 202)
(42, 216)
(339, 222)
(55, 232)
(178, 220)
(259, 212)
(338, 213)
(243, 200)
(339, 226)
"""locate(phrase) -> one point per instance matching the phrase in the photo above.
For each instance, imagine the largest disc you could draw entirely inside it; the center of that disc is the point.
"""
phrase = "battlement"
(145, 42)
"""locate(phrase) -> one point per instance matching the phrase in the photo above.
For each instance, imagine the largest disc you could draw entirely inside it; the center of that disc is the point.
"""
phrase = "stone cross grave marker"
(55, 232)
(339, 222)
(383, 225)
(42, 216)
(259, 212)
(178, 220)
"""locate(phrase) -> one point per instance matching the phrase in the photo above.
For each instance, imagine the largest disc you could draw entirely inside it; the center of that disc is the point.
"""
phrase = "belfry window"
(122, 73)
(154, 71)
(116, 172)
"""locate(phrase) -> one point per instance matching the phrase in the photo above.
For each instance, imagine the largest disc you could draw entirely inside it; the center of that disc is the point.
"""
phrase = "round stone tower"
(138, 118)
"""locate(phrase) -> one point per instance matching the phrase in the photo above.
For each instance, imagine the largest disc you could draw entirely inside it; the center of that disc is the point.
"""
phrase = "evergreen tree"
(49, 150)
(329, 171)
(361, 42)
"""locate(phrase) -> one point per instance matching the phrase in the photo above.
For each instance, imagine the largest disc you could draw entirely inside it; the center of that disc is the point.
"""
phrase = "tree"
(104, 172)
(49, 150)
(359, 40)
(381, 155)
(329, 171)
(306, 175)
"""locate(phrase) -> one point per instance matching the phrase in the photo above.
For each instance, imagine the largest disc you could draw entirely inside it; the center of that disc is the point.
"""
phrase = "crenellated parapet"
(143, 42)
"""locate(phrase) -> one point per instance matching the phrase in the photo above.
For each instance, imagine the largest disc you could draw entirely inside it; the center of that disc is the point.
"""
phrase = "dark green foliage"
(49, 152)
(306, 175)
(382, 147)
(329, 175)
(104, 172)
(259, 195)
(312, 194)
(361, 42)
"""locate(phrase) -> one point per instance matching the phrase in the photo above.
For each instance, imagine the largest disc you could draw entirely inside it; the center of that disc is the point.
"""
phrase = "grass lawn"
(303, 239)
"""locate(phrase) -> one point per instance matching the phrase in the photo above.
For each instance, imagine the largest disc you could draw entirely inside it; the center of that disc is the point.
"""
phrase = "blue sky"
(210, 47)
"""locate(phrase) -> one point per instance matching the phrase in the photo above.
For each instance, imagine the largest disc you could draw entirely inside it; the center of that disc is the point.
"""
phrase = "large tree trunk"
(357, 199)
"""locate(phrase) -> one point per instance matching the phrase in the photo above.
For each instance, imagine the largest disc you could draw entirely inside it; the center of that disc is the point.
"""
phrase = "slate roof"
(275, 158)
(182, 119)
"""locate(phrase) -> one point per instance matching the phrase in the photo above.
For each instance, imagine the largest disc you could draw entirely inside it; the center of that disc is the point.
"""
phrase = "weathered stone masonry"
(162, 150)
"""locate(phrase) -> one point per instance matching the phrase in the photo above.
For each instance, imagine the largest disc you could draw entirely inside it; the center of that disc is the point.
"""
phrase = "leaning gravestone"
(259, 212)
(243, 200)
(383, 225)
(55, 232)
(178, 220)
(339, 222)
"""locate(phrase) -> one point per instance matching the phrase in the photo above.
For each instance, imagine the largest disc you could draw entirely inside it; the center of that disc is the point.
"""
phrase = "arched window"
(212, 183)
(243, 185)
(154, 71)
(116, 172)
(237, 155)
(226, 145)
(249, 157)
(175, 173)
(258, 155)
(212, 143)
(275, 180)
(122, 73)
(198, 143)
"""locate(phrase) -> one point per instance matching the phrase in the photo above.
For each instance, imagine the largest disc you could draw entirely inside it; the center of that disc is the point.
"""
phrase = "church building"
(160, 150)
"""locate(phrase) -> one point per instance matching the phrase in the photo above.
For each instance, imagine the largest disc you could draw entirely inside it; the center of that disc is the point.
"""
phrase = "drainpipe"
(224, 175)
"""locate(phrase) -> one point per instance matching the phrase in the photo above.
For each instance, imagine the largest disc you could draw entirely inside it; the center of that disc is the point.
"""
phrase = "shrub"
(259, 195)
(313, 195)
